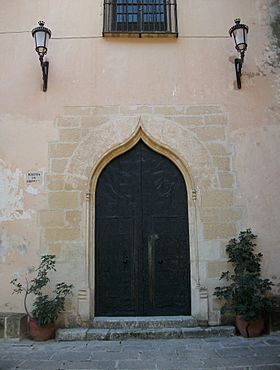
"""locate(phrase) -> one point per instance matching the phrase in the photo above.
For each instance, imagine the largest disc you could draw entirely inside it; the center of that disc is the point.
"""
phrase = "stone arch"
(112, 138)
(140, 134)
(165, 137)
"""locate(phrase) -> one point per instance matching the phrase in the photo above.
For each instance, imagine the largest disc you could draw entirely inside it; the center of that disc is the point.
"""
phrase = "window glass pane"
(140, 16)
(153, 11)
(147, 10)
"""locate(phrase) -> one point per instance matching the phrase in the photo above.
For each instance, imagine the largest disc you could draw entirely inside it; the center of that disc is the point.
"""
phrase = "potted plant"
(248, 294)
(45, 309)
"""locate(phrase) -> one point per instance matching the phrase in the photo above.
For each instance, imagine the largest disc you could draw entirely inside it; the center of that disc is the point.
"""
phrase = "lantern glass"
(41, 42)
(240, 38)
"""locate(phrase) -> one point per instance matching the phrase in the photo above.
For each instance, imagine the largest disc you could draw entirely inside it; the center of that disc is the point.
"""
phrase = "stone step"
(132, 333)
(146, 322)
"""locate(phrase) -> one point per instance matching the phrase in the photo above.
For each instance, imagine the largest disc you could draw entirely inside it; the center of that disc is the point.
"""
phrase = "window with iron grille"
(140, 17)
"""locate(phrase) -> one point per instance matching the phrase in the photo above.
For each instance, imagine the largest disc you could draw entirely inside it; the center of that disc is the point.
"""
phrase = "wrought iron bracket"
(238, 68)
(45, 71)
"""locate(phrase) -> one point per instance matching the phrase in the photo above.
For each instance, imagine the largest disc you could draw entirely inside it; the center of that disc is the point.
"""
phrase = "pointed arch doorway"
(142, 265)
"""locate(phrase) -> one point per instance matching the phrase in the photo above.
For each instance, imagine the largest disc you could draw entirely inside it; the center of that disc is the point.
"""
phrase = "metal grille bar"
(140, 17)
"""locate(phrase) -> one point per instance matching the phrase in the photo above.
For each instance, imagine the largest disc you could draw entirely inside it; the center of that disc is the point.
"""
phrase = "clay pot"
(254, 329)
(41, 333)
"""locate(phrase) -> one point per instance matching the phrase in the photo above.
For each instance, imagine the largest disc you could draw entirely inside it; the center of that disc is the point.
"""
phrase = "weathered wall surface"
(99, 83)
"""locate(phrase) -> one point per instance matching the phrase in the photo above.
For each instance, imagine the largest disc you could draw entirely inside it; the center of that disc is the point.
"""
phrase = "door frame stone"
(199, 301)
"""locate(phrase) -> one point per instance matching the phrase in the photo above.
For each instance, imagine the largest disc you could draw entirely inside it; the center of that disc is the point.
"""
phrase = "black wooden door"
(141, 237)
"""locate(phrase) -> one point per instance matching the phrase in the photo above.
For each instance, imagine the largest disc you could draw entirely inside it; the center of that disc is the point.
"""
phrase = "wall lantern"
(42, 35)
(239, 32)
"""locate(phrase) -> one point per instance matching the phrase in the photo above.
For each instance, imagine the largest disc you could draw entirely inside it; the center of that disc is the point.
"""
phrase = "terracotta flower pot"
(249, 330)
(40, 333)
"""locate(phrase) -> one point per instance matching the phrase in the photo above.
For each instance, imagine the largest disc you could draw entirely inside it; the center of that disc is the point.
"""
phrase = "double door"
(141, 237)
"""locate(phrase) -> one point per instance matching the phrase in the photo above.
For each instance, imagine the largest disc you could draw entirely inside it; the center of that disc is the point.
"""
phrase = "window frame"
(162, 15)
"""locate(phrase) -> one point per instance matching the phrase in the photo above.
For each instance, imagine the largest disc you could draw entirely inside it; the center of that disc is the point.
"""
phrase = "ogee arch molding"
(114, 137)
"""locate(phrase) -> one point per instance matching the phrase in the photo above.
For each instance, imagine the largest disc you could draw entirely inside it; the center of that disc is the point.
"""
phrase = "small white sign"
(33, 177)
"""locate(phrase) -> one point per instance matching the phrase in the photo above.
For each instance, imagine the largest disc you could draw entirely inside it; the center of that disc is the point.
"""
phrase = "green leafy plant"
(45, 308)
(248, 294)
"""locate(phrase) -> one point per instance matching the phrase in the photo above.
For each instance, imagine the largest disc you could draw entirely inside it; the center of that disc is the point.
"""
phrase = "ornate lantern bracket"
(42, 35)
(239, 33)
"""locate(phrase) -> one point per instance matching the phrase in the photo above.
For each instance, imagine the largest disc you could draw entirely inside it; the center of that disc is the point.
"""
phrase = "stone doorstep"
(77, 334)
(13, 326)
(146, 322)
(153, 327)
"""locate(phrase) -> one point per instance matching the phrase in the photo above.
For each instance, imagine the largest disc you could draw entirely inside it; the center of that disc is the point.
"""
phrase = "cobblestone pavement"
(212, 353)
